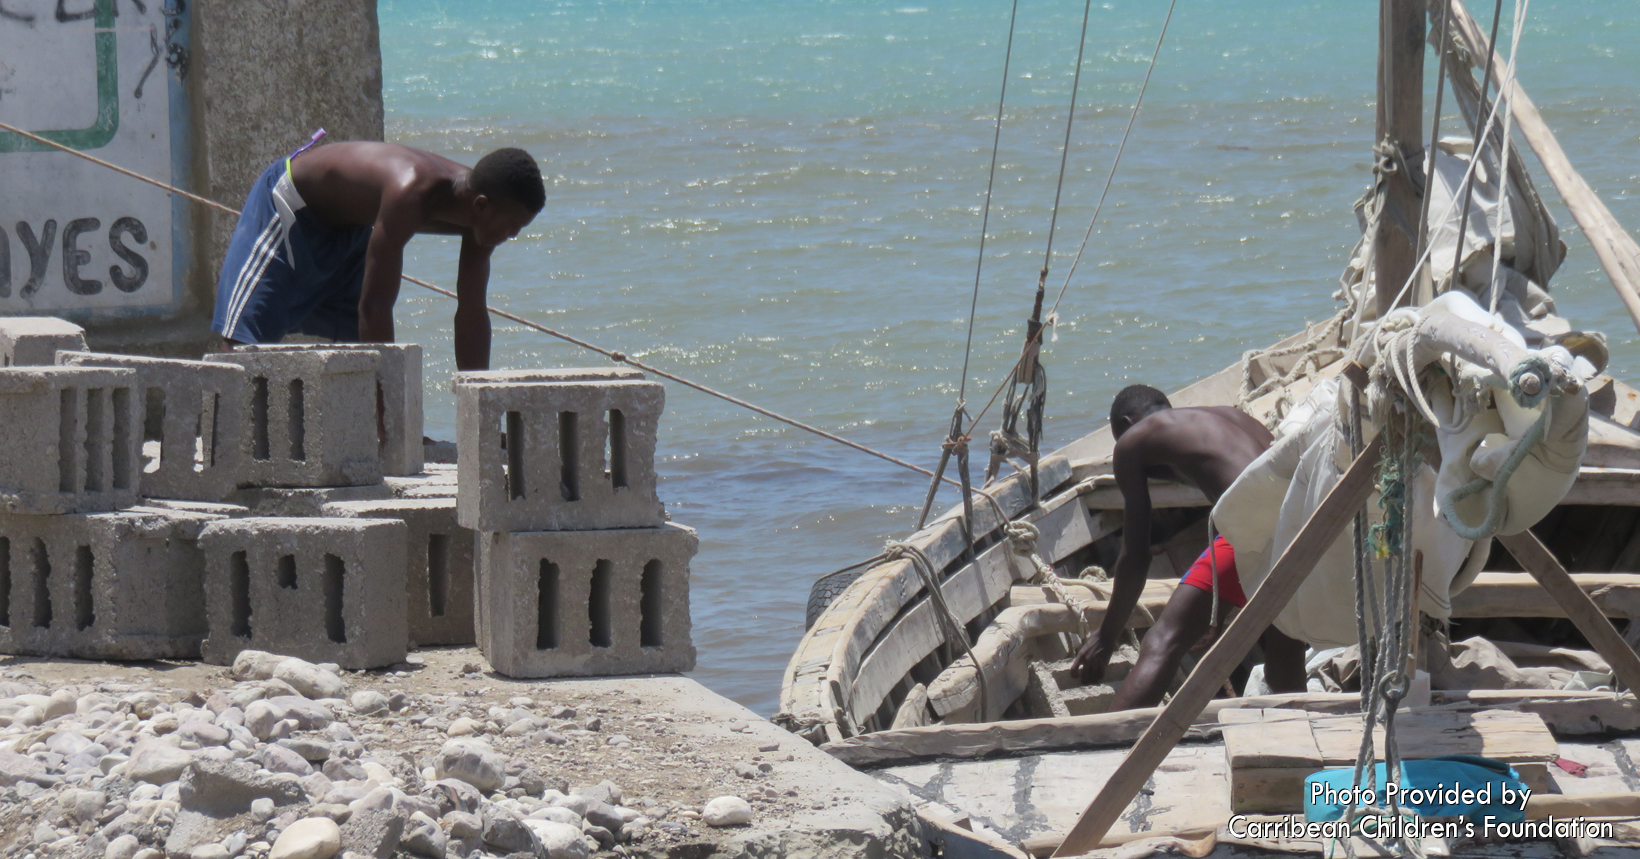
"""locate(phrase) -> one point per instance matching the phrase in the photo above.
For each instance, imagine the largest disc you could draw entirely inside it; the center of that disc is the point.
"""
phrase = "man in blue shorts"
(320, 245)
(1207, 448)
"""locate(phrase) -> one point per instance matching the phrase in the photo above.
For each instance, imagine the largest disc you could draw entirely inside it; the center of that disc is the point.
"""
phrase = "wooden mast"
(1401, 125)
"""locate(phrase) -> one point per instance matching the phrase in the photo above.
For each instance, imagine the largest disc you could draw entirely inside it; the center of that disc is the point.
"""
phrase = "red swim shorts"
(1200, 574)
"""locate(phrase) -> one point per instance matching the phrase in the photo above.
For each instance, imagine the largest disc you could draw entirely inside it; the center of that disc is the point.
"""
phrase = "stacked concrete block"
(72, 436)
(34, 341)
(194, 433)
(303, 501)
(439, 565)
(578, 603)
(326, 590)
(312, 415)
(126, 585)
(398, 394)
(557, 451)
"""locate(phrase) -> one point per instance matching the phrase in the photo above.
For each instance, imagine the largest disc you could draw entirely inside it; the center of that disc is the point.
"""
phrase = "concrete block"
(439, 567)
(193, 435)
(326, 590)
(230, 511)
(34, 341)
(578, 603)
(437, 481)
(126, 585)
(312, 416)
(71, 439)
(560, 451)
(398, 395)
(299, 501)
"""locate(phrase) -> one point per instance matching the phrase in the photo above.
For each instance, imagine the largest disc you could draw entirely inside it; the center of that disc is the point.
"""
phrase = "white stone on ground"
(727, 811)
(310, 838)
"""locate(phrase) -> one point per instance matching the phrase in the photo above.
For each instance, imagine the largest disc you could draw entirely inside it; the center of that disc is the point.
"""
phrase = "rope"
(951, 627)
(1495, 506)
(1467, 189)
(985, 217)
(609, 353)
(1064, 152)
(1121, 147)
(1503, 159)
(1422, 238)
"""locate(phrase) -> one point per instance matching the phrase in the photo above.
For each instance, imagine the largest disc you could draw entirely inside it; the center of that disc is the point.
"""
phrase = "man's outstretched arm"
(383, 263)
(1132, 563)
(472, 322)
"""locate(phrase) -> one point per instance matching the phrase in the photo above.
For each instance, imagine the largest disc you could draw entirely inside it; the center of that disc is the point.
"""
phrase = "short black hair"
(510, 174)
(1136, 401)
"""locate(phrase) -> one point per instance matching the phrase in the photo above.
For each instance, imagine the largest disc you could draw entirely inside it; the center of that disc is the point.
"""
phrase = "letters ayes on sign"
(103, 77)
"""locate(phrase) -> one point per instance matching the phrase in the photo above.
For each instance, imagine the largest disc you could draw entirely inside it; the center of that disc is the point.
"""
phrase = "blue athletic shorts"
(279, 278)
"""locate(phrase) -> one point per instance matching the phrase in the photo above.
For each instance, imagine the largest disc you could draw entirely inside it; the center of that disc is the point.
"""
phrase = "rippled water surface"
(782, 200)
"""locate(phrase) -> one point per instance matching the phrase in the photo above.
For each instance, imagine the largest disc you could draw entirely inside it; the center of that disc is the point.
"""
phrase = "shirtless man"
(1207, 448)
(320, 245)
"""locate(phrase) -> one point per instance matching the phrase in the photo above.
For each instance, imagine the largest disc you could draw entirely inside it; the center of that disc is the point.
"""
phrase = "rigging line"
(1469, 187)
(985, 219)
(1065, 153)
(609, 353)
(1503, 158)
(1422, 238)
(1483, 133)
(1120, 148)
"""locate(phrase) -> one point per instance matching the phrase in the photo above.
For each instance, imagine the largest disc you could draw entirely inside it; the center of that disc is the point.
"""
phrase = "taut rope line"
(608, 353)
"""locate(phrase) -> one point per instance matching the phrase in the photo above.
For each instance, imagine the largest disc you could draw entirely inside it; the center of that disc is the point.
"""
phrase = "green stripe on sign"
(108, 98)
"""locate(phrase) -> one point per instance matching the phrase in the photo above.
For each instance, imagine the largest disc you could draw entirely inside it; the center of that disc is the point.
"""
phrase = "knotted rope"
(951, 628)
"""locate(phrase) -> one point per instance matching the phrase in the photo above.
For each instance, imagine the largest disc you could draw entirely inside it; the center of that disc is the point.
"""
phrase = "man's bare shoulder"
(1162, 431)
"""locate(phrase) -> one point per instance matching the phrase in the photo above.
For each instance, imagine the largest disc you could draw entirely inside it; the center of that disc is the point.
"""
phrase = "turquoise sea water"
(782, 200)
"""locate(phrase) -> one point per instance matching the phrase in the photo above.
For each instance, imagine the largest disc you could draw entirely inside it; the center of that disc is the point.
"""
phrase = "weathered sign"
(104, 77)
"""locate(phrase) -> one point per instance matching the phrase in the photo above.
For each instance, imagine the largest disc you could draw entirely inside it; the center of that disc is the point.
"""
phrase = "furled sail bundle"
(1510, 424)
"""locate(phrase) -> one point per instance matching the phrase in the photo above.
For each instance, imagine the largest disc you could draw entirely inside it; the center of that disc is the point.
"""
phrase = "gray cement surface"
(35, 340)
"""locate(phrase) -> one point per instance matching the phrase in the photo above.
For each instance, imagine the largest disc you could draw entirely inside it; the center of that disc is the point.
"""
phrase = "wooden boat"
(1013, 747)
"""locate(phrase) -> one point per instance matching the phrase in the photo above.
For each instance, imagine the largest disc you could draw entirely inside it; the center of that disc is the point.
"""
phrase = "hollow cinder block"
(194, 435)
(34, 341)
(312, 416)
(438, 565)
(327, 590)
(399, 392)
(577, 603)
(126, 585)
(561, 450)
(71, 439)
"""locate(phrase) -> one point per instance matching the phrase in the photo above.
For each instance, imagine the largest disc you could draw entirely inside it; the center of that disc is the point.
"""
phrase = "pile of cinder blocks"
(163, 508)
(579, 571)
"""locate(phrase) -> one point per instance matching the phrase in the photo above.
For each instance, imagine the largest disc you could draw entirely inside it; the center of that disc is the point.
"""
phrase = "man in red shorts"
(1203, 447)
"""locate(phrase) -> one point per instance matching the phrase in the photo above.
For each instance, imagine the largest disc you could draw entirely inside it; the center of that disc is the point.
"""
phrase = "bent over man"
(1207, 448)
(320, 245)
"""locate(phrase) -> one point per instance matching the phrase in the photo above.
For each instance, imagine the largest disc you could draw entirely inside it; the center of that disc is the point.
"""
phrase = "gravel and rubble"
(277, 758)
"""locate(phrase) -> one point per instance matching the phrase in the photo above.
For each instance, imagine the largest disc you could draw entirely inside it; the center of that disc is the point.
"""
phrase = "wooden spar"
(1589, 620)
(1619, 255)
(1313, 540)
(1401, 125)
